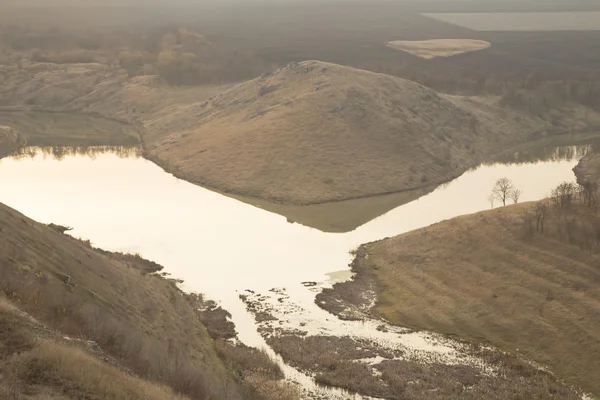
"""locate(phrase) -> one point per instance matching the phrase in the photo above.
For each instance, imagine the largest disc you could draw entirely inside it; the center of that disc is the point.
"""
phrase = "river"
(222, 247)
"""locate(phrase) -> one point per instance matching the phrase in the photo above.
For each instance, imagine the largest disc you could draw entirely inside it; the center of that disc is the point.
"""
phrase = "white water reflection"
(220, 246)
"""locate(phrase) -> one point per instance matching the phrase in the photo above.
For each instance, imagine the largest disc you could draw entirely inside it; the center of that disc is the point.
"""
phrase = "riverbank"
(491, 278)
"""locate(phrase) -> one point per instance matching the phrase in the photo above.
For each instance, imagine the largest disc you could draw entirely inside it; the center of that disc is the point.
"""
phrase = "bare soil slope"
(483, 277)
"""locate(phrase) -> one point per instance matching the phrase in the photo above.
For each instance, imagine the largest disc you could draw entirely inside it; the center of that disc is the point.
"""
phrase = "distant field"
(548, 21)
(433, 48)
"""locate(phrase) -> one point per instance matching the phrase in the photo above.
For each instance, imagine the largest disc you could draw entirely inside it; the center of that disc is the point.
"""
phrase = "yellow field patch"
(429, 49)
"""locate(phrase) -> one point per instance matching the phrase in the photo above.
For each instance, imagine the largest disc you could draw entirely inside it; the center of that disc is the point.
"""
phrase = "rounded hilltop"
(314, 132)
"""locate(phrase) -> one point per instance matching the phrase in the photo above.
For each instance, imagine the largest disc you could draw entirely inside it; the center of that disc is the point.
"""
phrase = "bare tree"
(563, 194)
(588, 191)
(491, 199)
(540, 212)
(502, 190)
(516, 195)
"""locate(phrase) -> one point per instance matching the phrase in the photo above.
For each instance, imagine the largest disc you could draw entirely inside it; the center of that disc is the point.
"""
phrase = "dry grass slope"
(477, 277)
(315, 132)
(37, 363)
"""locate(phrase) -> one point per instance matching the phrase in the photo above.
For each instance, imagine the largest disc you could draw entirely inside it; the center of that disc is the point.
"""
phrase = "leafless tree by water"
(540, 212)
(503, 190)
(516, 195)
(491, 199)
(563, 194)
(588, 192)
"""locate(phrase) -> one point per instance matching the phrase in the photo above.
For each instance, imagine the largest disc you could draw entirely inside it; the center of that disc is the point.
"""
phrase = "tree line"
(180, 56)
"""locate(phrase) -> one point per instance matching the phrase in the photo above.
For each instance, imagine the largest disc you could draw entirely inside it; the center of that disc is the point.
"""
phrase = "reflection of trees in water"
(60, 152)
(547, 153)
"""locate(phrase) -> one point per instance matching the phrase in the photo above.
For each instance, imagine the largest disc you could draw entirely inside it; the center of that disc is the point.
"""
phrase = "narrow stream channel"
(222, 247)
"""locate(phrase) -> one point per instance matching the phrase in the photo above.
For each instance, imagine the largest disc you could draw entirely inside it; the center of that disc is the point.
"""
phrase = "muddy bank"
(376, 359)
(352, 299)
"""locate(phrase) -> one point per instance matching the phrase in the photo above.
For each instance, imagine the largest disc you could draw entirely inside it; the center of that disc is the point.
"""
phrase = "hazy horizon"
(176, 3)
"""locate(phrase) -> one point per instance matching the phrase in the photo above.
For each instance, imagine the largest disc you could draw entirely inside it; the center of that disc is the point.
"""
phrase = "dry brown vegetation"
(339, 361)
(38, 363)
(500, 277)
(432, 48)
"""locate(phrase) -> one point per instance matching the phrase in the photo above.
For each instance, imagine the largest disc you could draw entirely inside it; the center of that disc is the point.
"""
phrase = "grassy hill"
(78, 322)
(494, 277)
(315, 132)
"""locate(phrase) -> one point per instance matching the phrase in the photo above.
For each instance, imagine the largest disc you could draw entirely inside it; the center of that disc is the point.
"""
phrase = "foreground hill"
(127, 320)
(495, 277)
(309, 133)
